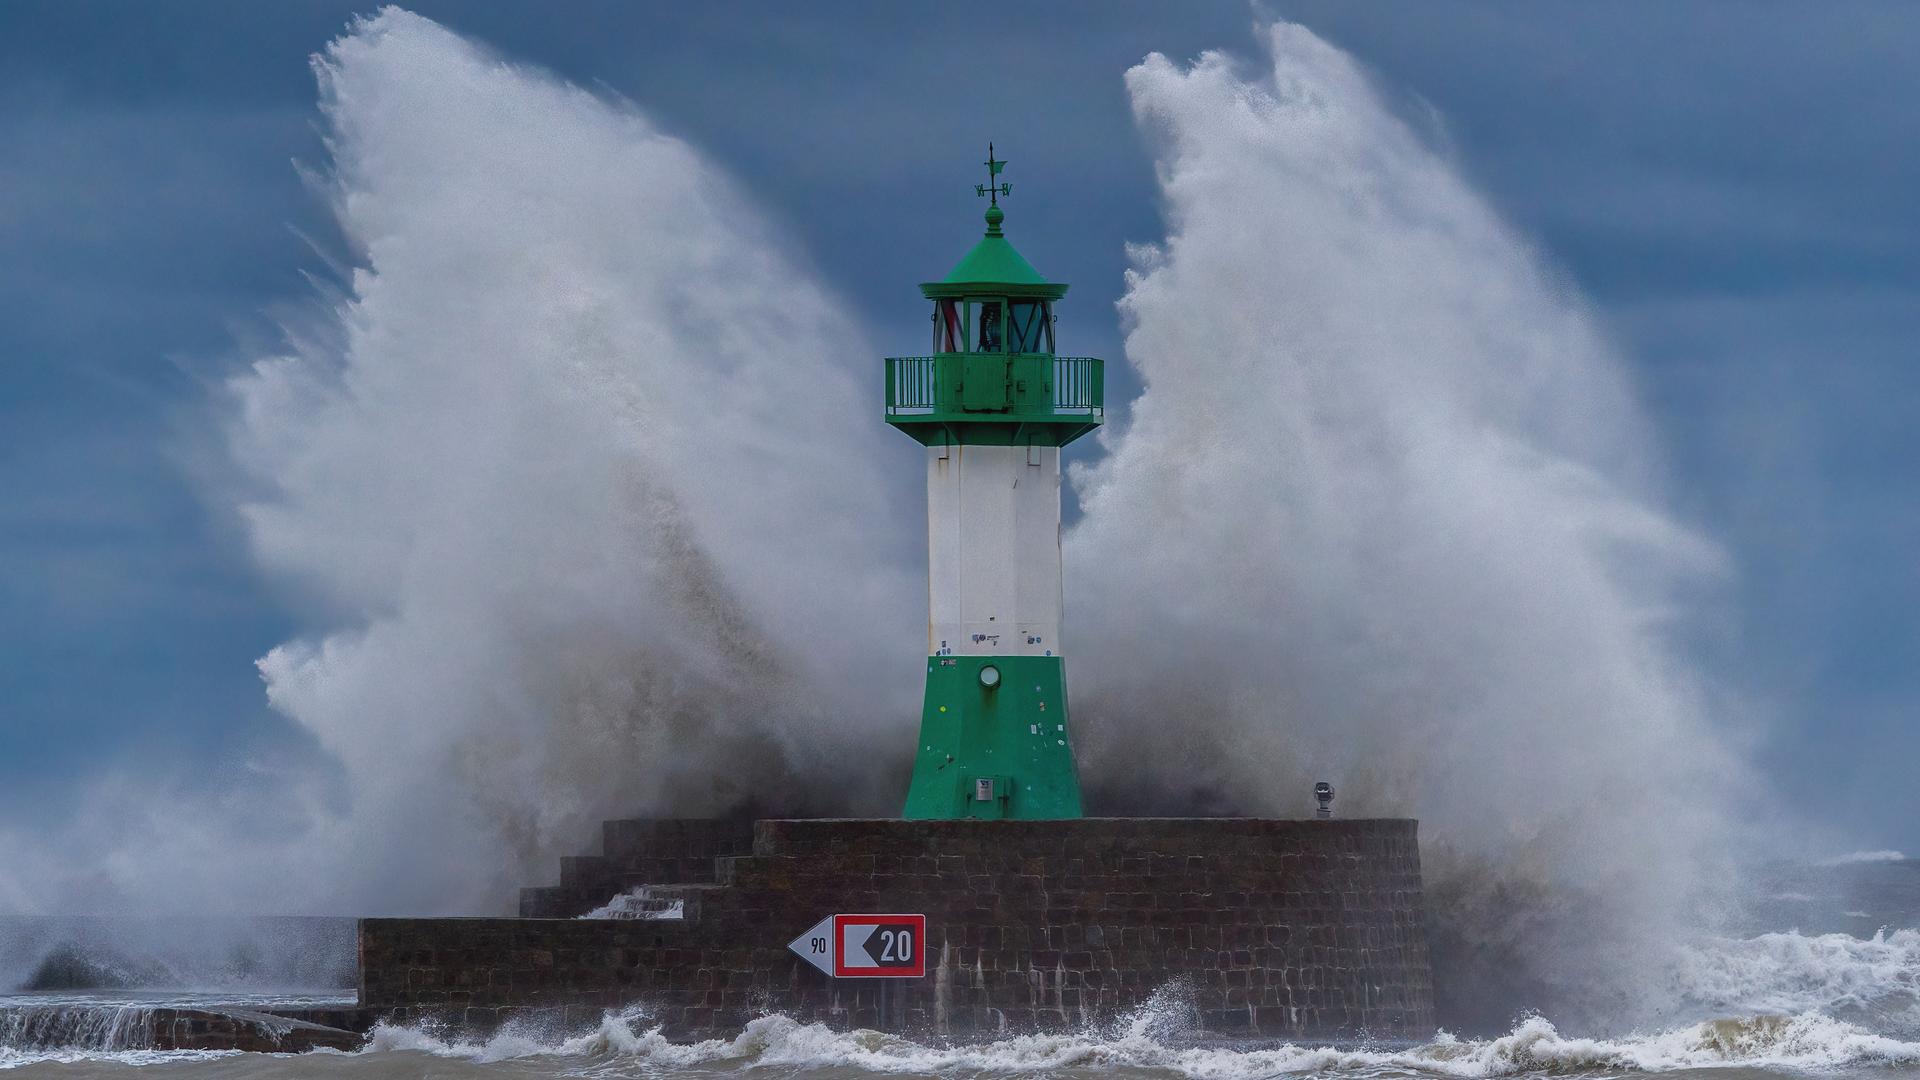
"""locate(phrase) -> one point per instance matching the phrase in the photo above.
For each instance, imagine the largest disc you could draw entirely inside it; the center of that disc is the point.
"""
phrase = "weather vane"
(990, 189)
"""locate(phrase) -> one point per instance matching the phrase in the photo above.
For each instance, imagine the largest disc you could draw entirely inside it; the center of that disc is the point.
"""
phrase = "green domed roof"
(993, 266)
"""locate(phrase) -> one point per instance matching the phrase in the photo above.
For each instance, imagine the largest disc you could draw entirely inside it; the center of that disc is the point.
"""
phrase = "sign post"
(866, 946)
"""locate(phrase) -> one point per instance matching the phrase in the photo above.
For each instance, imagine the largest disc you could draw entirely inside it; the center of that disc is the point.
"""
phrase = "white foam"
(639, 903)
(1805, 1041)
(11, 1058)
(625, 1033)
(1791, 974)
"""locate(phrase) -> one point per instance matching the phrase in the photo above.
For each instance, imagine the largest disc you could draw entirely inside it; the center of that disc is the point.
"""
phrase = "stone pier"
(1274, 929)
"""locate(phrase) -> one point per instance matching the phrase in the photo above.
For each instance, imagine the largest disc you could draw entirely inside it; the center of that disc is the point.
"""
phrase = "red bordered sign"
(866, 946)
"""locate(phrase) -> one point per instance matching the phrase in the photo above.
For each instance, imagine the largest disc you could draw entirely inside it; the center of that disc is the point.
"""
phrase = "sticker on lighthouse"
(866, 946)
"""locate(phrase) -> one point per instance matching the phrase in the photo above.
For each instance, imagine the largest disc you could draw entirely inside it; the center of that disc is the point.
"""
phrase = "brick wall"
(1296, 929)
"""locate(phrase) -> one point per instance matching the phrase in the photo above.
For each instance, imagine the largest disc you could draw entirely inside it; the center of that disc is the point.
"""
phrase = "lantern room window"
(992, 325)
(949, 326)
(1029, 326)
(992, 333)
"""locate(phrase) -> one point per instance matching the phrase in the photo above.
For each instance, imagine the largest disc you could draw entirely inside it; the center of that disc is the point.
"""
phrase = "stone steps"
(667, 852)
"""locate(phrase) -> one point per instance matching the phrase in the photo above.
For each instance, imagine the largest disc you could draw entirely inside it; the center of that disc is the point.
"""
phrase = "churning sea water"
(1152, 1043)
(1774, 1004)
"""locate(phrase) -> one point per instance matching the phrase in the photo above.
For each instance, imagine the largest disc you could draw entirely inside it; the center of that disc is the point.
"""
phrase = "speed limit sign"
(866, 946)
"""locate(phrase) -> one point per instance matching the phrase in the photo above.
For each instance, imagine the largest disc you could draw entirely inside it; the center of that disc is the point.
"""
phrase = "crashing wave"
(1874, 979)
(1807, 1041)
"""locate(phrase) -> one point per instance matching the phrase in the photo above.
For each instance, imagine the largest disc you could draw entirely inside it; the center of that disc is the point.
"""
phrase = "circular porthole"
(989, 676)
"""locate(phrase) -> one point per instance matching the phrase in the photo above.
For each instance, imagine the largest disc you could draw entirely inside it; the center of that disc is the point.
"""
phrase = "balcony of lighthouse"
(1007, 398)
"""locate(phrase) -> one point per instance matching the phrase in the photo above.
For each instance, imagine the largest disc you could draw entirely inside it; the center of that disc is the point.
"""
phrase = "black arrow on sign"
(872, 947)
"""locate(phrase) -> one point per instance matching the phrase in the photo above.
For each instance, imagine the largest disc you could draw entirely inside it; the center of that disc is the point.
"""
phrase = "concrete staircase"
(655, 853)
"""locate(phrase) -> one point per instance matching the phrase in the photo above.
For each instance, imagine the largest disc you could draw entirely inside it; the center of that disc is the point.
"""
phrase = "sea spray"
(588, 483)
(77, 954)
(1383, 517)
(571, 484)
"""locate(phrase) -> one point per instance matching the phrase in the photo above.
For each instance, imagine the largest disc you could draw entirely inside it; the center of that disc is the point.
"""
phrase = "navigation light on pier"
(993, 404)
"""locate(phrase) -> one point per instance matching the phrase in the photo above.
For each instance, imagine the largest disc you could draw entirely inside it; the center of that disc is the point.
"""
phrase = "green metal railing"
(1079, 386)
(913, 385)
(929, 386)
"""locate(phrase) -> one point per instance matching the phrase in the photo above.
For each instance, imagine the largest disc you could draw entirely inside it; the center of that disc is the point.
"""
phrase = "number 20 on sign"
(866, 946)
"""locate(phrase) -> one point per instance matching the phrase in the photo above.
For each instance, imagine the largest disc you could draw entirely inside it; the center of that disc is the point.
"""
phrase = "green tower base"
(1000, 751)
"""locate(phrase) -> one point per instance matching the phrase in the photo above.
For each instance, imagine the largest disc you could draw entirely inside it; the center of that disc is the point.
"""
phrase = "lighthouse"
(993, 404)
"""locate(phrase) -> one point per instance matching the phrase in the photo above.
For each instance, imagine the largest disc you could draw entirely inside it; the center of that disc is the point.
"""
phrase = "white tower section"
(993, 550)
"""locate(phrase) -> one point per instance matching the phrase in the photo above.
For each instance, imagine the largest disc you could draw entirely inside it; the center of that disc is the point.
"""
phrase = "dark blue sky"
(1732, 185)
